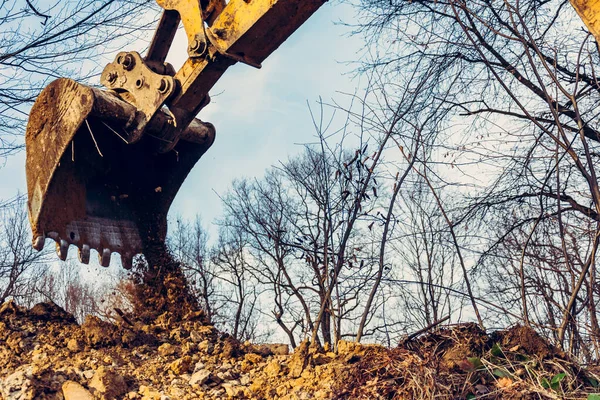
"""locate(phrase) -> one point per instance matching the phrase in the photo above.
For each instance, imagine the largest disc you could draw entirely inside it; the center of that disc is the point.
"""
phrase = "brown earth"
(45, 354)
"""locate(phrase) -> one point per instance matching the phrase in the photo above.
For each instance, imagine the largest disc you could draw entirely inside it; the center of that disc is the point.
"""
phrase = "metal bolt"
(128, 62)
(139, 82)
(198, 46)
(163, 86)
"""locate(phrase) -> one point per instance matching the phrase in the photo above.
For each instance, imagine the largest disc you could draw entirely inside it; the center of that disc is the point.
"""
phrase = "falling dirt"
(160, 286)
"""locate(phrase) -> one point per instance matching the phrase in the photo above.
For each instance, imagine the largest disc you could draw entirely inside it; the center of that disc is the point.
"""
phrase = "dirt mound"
(463, 362)
(44, 354)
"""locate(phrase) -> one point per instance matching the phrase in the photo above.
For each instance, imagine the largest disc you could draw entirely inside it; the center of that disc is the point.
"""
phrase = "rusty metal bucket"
(89, 185)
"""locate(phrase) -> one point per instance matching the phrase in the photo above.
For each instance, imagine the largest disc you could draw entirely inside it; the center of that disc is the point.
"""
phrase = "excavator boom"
(103, 166)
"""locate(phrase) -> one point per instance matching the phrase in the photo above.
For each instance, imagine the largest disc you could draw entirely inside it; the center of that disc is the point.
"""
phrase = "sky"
(261, 115)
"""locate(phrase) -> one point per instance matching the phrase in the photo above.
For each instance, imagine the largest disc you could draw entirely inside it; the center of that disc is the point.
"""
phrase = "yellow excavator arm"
(103, 166)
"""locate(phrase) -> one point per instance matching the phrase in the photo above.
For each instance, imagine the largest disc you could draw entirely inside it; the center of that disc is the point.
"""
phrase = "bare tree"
(220, 278)
(20, 264)
(514, 159)
(189, 243)
(240, 290)
(63, 284)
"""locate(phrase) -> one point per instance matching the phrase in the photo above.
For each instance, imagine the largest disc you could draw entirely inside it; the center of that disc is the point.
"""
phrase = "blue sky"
(261, 116)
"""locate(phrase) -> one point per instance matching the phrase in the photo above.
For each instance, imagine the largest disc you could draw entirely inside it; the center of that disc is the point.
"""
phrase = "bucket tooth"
(38, 243)
(86, 184)
(62, 249)
(84, 254)
(104, 257)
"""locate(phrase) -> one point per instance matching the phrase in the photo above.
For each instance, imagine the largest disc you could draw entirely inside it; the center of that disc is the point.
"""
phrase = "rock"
(215, 379)
(200, 377)
(38, 356)
(108, 360)
(322, 394)
(88, 374)
(206, 347)
(216, 393)
(282, 390)
(227, 374)
(298, 384)
(351, 351)
(273, 368)
(74, 391)
(108, 384)
(250, 361)
(18, 385)
(195, 337)
(199, 366)
(149, 393)
(181, 365)
(74, 345)
(265, 350)
(299, 359)
(166, 349)
(163, 320)
(176, 392)
(233, 390)
(128, 337)
(256, 387)
(253, 358)
(245, 380)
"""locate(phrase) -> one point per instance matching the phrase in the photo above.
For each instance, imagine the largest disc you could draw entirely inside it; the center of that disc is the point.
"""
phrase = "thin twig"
(93, 138)
(159, 138)
(115, 132)
(36, 12)
(421, 331)
(123, 316)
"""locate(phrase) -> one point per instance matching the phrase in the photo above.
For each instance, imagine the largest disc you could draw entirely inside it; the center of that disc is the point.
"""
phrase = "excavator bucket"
(89, 185)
